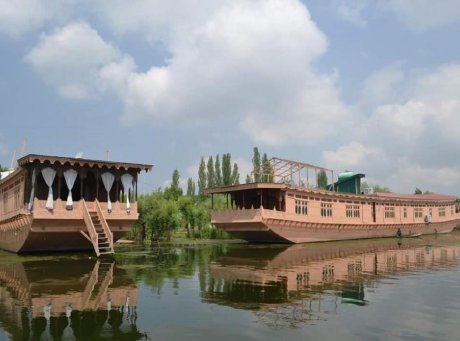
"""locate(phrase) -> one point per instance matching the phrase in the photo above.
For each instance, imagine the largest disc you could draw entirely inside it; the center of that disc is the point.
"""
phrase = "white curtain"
(32, 191)
(48, 175)
(70, 176)
(127, 181)
(107, 179)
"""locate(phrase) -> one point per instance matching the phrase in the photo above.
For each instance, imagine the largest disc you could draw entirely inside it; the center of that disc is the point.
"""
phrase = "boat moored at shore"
(51, 203)
(284, 212)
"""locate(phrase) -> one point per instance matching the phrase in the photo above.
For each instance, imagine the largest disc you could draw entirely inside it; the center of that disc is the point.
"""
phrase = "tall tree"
(226, 169)
(174, 191)
(267, 169)
(218, 171)
(235, 175)
(322, 179)
(201, 177)
(190, 187)
(211, 176)
(248, 179)
(418, 191)
(256, 165)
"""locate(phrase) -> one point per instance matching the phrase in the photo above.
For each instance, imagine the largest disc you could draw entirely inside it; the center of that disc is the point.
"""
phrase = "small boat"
(53, 203)
(278, 210)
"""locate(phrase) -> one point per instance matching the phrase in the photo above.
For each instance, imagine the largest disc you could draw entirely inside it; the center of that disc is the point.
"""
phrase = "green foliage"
(201, 177)
(428, 192)
(190, 187)
(381, 189)
(3, 169)
(267, 169)
(211, 177)
(256, 171)
(248, 179)
(174, 191)
(218, 171)
(235, 175)
(158, 217)
(226, 169)
(322, 179)
(418, 191)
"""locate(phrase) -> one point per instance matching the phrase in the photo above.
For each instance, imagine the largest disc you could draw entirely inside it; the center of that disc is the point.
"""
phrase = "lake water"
(384, 289)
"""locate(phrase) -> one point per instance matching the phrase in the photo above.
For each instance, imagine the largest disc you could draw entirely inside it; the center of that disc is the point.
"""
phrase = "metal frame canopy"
(283, 169)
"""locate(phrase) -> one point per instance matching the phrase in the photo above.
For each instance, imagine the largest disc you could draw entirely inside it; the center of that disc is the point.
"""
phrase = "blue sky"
(371, 86)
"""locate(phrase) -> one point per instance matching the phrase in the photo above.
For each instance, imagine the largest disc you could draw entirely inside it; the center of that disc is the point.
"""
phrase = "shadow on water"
(67, 298)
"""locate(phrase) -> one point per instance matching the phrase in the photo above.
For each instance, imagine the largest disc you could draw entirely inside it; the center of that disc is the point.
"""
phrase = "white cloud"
(422, 15)
(411, 137)
(22, 16)
(351, 11)
(249, 60)
(71, 59)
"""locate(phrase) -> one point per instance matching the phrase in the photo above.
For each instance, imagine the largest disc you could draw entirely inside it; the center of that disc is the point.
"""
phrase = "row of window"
(353, 211)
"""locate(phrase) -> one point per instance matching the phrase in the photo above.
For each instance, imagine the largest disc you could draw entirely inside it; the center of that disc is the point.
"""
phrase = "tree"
(428, 192)
(174, 191)
(256, 165)
(322, 179)
(235, 175)
(190, 187)
(418, 191)
(3, 169)
(158, 216)
(248, 179)
(267, 169)
(201, 177)
(211, 176)
(381, 189)
(218, 171)
(226, 169)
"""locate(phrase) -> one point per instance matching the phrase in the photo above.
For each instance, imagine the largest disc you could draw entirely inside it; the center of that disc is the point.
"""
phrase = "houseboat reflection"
(289, 285)
(67, 299)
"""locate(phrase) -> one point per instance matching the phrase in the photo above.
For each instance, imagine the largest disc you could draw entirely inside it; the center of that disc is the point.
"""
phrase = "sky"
(368, 86)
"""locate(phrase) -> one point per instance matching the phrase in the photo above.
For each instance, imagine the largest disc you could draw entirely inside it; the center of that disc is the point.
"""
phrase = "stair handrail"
(90, 227)
(104, 224)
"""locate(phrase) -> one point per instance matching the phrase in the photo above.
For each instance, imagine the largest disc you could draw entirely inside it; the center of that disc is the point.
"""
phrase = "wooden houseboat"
(282, 211)
(51, 203)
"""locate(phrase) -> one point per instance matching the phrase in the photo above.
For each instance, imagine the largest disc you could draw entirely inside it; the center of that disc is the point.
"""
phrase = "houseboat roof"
(72, 161)
(423, 197)
(376, 196)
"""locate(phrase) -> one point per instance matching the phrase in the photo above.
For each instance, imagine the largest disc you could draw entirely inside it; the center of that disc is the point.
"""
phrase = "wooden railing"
(104, 224)
(60, 212)
(90, 227)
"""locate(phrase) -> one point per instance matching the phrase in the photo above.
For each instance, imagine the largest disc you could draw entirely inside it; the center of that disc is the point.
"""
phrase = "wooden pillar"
(59, 173)
(97, 184)
(212, 201)
(117, 186)
(261, 199)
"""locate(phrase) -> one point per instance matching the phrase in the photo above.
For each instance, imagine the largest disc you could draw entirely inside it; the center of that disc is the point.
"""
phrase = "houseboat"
(280, 210)
(53, 203)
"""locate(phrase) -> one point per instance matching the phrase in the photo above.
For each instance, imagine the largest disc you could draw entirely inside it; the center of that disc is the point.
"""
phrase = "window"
(352, 211)
(418, 212)
(389, 212)
(301, 207)
(405, 212)
(326, 210)
(442, 211)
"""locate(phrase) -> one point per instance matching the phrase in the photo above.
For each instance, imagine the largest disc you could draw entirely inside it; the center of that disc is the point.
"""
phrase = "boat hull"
(285, 231)
(23, 234)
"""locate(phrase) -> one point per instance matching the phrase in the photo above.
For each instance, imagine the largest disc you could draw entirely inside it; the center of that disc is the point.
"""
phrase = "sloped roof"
(61, 160)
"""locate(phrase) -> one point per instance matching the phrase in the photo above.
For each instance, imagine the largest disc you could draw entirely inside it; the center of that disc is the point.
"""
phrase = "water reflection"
(67, 299)
(288, 286)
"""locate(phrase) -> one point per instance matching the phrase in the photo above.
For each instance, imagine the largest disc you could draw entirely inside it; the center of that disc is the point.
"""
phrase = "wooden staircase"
(103, 240)
(99, 232)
